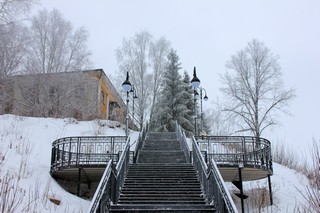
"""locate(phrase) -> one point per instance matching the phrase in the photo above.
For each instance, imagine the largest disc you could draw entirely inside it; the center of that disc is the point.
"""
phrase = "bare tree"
(13, 37)
(145, 59)
(13, 42)
(254, 88)
(159, 51)
(55, 46)
(14, 10)
(219, 124)
(55, 95)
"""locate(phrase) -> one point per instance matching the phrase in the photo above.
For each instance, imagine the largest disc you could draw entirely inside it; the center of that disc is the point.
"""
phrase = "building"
(84, 95)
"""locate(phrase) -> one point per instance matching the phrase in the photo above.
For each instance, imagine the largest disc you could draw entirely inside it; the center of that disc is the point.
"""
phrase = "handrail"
(121, 169)
(234, 150)
(103, 197)
(223, 191)
(212, 182)
(183, 142)
(142, 136)
(101, 188)
(86, 151)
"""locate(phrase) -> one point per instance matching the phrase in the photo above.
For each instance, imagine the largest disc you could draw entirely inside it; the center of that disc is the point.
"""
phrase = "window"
(103, 97)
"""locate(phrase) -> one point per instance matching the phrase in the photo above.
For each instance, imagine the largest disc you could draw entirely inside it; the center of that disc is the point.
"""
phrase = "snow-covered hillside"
(25, 153)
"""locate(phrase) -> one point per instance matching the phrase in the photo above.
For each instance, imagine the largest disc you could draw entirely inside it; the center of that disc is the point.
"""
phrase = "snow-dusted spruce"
(253, 89)
(174, 101)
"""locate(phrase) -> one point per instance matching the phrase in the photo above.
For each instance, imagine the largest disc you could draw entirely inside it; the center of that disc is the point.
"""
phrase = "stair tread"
(162, 179)
(158, 194)
(164, 207)
(162, 201)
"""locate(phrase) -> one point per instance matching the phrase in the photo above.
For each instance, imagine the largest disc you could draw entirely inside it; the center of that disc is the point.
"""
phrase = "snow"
(288, 187)
(25, 154)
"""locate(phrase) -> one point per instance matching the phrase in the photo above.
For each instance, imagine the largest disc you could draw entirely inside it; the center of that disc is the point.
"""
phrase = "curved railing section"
(237, 150)
(86, 151)
(212, 184)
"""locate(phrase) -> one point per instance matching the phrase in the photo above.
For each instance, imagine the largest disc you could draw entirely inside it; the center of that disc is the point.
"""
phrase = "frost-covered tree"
(13, 45)
(55, 46)
(158, 53)
(254, 89)
(174, 99)
(13, 36)
(218, 123)
(189, 103)
(144, 59)
(133, 58)
(13, 42)
(12, 11)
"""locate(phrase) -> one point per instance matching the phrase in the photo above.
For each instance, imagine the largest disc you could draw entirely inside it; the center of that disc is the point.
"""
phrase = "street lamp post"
(195, 82)
(126, 86)
(134, 96)
(205, 98)
(195, 97)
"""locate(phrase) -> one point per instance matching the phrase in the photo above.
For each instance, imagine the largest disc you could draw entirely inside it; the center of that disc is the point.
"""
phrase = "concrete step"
(157, 194)
(187, 201)
(157, 208)
(147, 156)
(161, 135)
(161, 145)
(162, 180)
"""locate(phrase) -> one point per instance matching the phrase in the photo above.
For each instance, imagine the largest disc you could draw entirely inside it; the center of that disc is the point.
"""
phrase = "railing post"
(241, 188)
(244, 151)
(78, 150)
(113, 183)
(53, 156)
(62, 155)
(270, 190)
(78, 181)
(112, 146)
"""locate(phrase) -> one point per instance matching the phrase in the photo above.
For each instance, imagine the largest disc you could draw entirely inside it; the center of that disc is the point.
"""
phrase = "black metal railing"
(108, 191)
(212, 183)
(103, 189)
(86, 151)
(142, 136)
(237, 150)
(183, 142)
(121, 171)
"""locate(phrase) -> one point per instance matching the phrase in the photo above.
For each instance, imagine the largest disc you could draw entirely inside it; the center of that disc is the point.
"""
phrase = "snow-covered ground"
(25, 153)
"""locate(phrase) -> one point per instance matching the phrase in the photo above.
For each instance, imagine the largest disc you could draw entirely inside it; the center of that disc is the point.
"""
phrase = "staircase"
(161, 180)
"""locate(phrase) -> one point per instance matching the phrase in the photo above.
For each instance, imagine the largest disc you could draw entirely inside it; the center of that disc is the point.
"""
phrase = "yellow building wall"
(104, 99)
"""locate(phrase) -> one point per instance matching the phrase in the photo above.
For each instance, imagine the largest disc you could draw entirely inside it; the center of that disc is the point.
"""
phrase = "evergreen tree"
(174, 100)
(188, 124)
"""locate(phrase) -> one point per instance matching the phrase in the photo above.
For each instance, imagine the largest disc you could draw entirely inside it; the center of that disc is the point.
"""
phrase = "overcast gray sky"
(206, 33)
